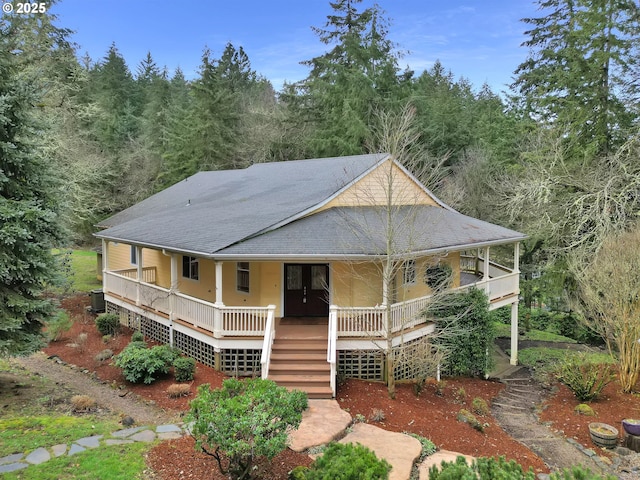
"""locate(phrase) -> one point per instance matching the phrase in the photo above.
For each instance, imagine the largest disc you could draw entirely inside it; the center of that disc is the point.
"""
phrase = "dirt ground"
(431, 414)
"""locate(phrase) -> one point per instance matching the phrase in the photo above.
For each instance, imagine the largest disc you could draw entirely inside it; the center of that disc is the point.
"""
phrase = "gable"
(371, 190)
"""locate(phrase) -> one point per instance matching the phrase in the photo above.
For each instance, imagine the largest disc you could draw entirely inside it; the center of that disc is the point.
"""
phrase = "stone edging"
(18, 461)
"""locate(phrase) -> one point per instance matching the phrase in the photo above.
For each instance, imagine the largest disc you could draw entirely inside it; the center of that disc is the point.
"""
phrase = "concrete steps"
(299, 360)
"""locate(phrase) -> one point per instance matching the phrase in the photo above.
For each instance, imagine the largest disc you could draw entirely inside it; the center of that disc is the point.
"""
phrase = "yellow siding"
(373, 188)
(360, 284)
(119, 256)
(270, 283)
(205, 286)
(355, 284)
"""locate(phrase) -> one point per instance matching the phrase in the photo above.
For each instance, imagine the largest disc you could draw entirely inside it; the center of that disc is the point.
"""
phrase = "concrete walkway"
(324, 421)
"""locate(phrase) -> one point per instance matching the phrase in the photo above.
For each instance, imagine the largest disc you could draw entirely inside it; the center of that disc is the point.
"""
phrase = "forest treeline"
(555, 155)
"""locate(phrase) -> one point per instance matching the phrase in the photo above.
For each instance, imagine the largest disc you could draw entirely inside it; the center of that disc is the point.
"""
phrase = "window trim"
(409, 272)
(133, 255)
(190, 261)
(240, 273)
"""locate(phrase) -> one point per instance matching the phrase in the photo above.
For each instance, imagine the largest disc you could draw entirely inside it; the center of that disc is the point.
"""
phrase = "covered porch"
(348, 328)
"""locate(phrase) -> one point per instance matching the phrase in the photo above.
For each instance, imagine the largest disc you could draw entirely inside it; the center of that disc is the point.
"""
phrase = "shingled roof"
(263, 211)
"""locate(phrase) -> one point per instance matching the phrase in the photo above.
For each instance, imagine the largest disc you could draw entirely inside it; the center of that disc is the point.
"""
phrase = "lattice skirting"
(194, 348)
(416, 359)
(364, 364)
(361, 364)
(235, 362)
(241, 362)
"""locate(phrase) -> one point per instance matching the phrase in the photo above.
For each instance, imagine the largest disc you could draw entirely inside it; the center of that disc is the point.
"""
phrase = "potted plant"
(603, 435)
(631, 426)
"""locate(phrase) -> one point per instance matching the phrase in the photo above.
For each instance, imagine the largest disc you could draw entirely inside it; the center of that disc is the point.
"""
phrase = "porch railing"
(267, 344)
(372, 321)
(332, 341)
(475, 265)
(356, 321)
(220, 320)
(148, 274)
(350, 322)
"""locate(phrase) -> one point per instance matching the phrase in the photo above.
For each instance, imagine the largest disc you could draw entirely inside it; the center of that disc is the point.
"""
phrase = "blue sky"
(477, 39)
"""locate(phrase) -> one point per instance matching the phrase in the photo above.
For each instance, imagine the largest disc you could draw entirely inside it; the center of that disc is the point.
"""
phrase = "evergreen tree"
(580, 69)
(346, 84)
(28, 221)
(209, 116)
(114, 96)
(443, 106)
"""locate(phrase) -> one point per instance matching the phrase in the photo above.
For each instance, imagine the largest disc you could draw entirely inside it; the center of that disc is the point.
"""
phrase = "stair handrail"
(267, 343)
(332, 345)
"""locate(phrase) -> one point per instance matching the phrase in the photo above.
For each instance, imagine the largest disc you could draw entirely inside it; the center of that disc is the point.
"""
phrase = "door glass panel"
(294, 277)
(318, 277)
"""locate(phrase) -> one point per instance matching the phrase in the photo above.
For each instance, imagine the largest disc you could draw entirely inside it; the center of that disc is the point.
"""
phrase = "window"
(409, 272)
(190, 267)
(134, 255)
(242, 277)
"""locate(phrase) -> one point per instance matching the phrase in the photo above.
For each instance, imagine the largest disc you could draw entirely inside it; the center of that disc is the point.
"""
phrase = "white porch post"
(138, 273)
(219, 283)
(485, 265)
(385, 286)
(516, 258)
(217, 313)
(514, 334)
(485, 274)
(105, 264)
(173, 288)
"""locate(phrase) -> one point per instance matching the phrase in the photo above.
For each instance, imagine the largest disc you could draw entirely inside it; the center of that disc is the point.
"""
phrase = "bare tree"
(385, 218)
(573, 206)
(609, 298)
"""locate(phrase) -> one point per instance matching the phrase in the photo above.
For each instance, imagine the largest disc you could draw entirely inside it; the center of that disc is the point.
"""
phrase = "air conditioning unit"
(97, 301)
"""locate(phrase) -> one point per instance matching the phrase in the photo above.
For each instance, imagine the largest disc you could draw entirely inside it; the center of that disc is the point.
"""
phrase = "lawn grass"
(105, 463)
(80, 274)
(544, 361)
(504, 330)
(26, 433)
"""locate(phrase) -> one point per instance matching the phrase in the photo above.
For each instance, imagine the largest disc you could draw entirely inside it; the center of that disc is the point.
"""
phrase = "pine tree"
(346, 84)
(28, 220)
(113, 92)
(580, 69)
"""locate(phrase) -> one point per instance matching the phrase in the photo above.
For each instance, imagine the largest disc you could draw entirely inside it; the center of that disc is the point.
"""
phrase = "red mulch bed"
(429, 415)
(611, 408)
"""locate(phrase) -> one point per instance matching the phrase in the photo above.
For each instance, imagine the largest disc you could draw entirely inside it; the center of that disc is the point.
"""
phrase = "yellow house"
(296, 270)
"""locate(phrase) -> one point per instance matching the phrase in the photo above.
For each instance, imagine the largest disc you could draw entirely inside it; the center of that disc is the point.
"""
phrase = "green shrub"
(142, 364)
(108, 323)
(484, 468)
(184, 369)
(584, 378)
(428, 447)
(467, 417)
(348, 461)
(479, 406)
(244, 420)
(137, 337)
(298, 473)
(584, 409)
(59, 324)
(579, 472)
(466, 318)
